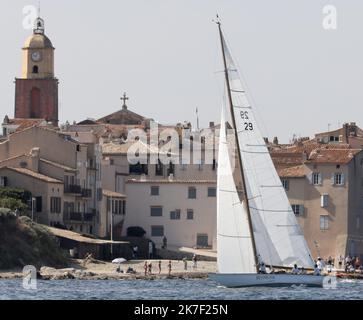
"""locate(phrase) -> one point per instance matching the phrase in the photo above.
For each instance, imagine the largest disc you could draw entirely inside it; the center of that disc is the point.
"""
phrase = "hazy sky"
(165, 54)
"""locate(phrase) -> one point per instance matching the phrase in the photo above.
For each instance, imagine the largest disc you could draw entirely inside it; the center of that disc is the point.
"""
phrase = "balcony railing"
(79, 216)
(86, 193)
(73, 189)
(75, 216)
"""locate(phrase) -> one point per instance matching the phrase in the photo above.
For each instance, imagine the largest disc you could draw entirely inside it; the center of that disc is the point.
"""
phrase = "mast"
(238, 147)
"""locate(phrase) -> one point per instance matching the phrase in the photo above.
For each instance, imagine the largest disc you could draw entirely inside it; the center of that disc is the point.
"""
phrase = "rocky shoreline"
(99, 270)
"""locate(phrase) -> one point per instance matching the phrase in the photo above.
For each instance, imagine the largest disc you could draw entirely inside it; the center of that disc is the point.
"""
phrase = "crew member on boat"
(295, 269)
(316, 270)
(262, 268)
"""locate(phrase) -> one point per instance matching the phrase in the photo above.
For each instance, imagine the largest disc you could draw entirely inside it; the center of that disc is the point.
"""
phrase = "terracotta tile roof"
(113, 194)
(26, 123)
(165, 181)
(292, 172)
(122, 148)
(58, 165)
(34, 174)
(332, 156)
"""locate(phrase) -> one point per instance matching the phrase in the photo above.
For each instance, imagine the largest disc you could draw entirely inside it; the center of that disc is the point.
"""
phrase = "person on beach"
(169, 267)
(150, 267)
(145, 268)
(165, 243)
(194, 261)
(135, 250)
(151, 250)
(159, 266)
(185, 261)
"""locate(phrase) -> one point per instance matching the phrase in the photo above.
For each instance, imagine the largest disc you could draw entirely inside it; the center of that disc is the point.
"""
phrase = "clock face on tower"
(36, 56)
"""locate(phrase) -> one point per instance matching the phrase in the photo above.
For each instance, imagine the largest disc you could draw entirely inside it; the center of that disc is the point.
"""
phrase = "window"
(171, 169)
(324, 200)
(285, 184)
(55, 205)
(190, 214)
(338, 179)
(317, 179)
(154, 190)
(298, 209)
(3, 181)
(175, 215)
(324, 222)
(138, 169)
(39, 204)
(159, 170)
(156, 211)
(212, 192)
(192, 193)
(35, 69)
(157, 231)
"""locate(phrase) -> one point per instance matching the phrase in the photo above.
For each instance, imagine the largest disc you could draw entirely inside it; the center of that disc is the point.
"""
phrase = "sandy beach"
(100, 270)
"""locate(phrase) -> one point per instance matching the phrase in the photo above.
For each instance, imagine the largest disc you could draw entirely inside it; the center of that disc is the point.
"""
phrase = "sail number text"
(248, 125)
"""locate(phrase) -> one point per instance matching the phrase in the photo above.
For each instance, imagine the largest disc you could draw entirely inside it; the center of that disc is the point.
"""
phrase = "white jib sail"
(235, 251)
(278, 236)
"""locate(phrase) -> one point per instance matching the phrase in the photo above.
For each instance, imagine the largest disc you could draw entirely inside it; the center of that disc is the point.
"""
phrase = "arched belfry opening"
(35, 69)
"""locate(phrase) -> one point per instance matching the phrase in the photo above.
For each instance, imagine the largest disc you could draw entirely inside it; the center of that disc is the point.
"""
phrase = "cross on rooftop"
(124, 99)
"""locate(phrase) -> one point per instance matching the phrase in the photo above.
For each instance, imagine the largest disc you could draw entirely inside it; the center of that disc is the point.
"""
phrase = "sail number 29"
(248, 125)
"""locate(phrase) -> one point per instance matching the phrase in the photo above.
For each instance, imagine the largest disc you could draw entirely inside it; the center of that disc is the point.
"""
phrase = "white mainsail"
(234, 241)
(278, 236)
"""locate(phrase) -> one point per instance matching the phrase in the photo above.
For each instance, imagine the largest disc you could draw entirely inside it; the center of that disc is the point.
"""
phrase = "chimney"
(266, 140)
(211, 125)
(276, 141)
(34, 159)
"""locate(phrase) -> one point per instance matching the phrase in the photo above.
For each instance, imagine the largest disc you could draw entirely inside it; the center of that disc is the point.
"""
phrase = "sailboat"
(255, 222)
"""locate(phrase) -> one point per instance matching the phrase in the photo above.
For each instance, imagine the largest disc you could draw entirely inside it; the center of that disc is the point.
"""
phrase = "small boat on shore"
(255, 222)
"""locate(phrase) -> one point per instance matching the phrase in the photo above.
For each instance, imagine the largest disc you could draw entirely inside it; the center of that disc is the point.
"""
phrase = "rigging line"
(269, 210)
(256, 152)
(276, 186)
(255, 145)
(285, 225)
(240, 107)
(236, 237)
(238, 91)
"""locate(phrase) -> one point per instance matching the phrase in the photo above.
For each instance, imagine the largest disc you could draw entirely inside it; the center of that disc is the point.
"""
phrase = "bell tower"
(36, 92)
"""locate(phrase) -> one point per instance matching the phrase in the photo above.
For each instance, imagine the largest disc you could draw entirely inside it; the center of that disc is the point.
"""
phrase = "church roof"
(123, 116)
(38, 41)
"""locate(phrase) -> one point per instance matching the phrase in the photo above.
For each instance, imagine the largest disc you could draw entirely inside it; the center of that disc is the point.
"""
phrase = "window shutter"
(320, 178)
(333, 179)
(310, 177)
(343, 179)
(302, 210)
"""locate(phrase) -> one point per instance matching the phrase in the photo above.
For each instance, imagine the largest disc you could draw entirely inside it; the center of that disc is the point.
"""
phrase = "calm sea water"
(169, 290)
